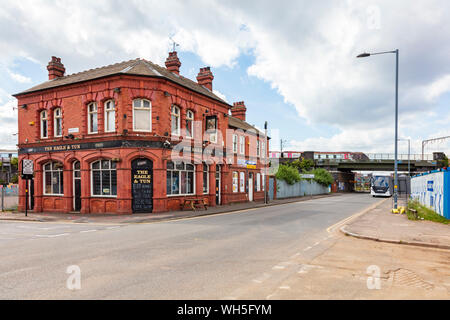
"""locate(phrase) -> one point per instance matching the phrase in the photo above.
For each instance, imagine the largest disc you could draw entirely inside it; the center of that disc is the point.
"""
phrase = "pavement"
(379, 224)
(148, 217)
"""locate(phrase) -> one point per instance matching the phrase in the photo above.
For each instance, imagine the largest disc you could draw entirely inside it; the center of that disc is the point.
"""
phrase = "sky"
(292, 62)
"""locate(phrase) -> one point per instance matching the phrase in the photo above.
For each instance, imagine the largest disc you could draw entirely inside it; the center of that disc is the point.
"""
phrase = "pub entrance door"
(142, 185)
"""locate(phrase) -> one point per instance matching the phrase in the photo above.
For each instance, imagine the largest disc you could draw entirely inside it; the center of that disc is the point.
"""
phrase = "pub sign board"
(142, 185)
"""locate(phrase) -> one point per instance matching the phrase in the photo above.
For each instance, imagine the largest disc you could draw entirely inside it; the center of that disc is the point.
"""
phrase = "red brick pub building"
(107, 140)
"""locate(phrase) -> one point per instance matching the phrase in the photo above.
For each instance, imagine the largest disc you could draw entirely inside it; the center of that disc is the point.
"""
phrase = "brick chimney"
(238, 110)
(205, 78)
(55, 68)
(173, 64)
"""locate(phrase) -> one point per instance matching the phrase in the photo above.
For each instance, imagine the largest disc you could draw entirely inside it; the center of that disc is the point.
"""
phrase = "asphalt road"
(213, 257)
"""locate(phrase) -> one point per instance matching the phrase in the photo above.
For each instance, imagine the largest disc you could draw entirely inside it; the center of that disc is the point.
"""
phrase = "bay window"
(53, 179)
(104, 178)
(142, 115)
(258, 182)
(180, 178)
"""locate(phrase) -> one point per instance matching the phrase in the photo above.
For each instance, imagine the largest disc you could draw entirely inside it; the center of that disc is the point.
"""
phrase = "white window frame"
(194, 191)
(263, 149)
(89, 113)
(44, 117)
(235, 143)
(242, 144)
(108, 109)
(101, 186)
(190, 117)
(177, 115)
(141, 107)
(258, 181)
(57, 116)
(61, 178)
(207, 178)
(235, 181)
(242, 181)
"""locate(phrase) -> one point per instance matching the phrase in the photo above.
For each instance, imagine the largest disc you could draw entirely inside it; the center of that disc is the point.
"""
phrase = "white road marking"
(317, 243)
(285, 288)
(295, 255)
(86, 231)
(307, 248)
(51, 235)
(279, 267)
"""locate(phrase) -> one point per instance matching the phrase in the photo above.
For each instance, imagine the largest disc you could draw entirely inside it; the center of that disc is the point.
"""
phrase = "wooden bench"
(194, 203)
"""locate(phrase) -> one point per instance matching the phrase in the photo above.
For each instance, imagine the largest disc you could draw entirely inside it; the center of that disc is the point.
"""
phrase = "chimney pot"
(205, 77)
(173, 64)
(55, 68)
(239, 110)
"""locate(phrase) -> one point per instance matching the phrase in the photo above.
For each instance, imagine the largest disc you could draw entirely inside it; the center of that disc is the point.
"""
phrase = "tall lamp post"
(409, 155)
(364, 55)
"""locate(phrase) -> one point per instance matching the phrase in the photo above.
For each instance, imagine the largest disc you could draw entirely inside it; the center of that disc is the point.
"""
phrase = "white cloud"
(18, 77)
(305, 50)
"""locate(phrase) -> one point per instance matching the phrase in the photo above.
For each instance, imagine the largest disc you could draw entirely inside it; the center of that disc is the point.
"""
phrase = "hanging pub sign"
(211, 123)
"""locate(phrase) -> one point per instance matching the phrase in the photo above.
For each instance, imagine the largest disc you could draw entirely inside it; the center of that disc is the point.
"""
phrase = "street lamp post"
(409, 155)
(364, 55)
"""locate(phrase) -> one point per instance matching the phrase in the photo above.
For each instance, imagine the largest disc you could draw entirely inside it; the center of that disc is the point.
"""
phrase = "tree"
(303, 166)
(323, 177)
(288, 174)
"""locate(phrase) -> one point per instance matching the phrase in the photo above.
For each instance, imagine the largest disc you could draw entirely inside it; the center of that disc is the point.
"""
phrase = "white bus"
(381, 185)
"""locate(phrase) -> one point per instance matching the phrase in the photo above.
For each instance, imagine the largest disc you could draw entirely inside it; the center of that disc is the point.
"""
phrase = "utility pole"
(265, 162)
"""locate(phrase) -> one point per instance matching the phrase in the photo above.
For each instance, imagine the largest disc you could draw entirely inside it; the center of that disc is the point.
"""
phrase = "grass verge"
(425, 213)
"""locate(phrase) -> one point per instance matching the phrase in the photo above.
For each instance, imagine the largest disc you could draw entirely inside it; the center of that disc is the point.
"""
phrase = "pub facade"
(135, 137)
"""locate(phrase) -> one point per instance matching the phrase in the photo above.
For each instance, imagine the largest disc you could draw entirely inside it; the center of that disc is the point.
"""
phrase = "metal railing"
(391, 156)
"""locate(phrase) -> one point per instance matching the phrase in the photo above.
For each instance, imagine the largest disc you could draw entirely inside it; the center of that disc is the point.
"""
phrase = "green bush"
(322, 176)
(288, 174)
(303, 166)
(425, 213)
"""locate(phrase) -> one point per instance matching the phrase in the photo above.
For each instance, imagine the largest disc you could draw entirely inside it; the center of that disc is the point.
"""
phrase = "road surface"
(256, 253)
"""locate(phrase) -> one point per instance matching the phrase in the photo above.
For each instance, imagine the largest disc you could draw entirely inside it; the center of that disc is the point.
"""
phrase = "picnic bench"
(194, 203)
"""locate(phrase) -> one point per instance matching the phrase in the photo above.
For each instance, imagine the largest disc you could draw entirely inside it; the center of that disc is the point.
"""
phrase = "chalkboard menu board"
(142, 185)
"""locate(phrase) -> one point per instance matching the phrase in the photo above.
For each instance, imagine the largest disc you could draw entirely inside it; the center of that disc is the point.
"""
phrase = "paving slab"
(379, 224)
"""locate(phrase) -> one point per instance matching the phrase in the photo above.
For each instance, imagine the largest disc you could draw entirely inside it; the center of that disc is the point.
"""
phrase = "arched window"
(175, 121)
(103, 178)
(57, 122)
(53, 179)
(110, 116)
(44, 124)
(189, 124)
(92, 118)
(142, 115)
